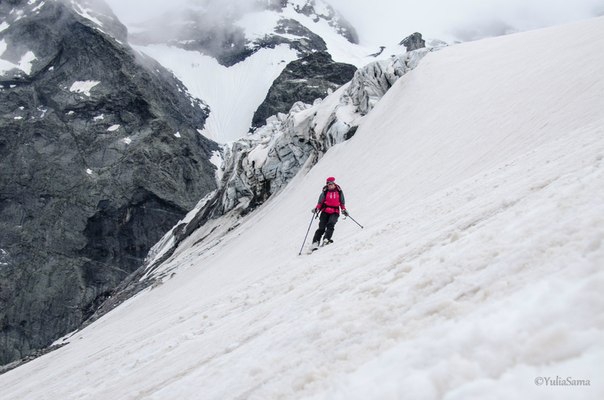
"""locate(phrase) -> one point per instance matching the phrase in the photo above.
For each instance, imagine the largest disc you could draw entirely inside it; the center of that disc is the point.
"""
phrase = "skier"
(330, 202)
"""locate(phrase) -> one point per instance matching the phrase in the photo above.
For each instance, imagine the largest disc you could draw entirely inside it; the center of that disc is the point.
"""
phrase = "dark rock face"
(308, 42)
(413, 42)
(99, 157)
(307, 79)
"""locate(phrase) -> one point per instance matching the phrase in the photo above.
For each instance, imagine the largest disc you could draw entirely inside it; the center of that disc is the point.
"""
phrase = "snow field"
(233, 93)
(83, 87)
(480, 180)
(536, 280)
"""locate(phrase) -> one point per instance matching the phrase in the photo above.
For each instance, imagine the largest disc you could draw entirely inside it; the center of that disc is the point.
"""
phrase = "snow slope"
(233, 93)
(479, 178)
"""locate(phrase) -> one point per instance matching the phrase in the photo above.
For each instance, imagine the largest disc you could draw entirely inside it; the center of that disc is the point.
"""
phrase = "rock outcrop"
(99, 157)
(413, 42)
(307, 79)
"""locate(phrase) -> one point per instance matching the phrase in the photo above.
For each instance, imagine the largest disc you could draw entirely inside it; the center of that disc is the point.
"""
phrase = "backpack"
(324, 193)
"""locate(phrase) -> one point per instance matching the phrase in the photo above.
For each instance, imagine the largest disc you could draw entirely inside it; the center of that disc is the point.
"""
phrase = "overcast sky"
(383, 21)
(377, 20)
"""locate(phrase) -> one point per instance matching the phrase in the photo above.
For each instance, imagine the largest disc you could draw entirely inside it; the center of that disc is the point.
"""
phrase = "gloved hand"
(345, 212)
(315, 210)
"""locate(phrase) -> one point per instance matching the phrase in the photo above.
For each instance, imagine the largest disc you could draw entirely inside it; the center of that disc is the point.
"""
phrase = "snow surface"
(256, 25)
(338, 46)
(37, 8)
(83, 87)
(86, 13)
(3, 46)
(233, 93)
(479, 178)
(218, 161)
(25, 64)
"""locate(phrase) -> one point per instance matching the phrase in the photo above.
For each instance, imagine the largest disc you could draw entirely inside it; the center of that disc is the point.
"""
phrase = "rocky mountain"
(230, 56)
(312, 77)
(218, 29)
(100, 155)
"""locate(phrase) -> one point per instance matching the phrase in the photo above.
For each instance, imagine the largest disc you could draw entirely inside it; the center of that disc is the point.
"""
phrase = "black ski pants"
(327, 222)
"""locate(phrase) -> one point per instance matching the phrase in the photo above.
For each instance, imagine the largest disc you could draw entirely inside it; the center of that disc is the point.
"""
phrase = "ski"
(324, 243)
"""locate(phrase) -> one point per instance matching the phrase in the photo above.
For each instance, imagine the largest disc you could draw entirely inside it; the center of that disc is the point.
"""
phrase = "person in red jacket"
(331, 201)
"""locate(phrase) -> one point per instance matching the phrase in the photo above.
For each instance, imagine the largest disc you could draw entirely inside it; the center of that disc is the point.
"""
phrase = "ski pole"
(304, 242)
(355, 221)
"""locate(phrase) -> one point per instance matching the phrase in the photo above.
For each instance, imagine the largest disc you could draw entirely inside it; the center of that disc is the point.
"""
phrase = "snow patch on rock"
(25, 63)
(83, 87)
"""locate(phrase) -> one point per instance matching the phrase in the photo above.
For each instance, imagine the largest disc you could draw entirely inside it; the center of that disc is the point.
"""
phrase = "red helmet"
(330, 179)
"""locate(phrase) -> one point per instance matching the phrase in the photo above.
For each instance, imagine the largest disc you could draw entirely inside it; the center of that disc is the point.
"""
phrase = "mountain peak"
(231, 34)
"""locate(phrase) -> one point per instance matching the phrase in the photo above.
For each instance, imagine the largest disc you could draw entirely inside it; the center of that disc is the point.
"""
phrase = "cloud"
(133, 12)
(387, 21)
(379, 21)
(203, 24)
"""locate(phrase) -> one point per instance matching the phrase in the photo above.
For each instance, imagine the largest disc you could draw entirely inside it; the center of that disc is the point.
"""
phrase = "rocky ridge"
(309, 78)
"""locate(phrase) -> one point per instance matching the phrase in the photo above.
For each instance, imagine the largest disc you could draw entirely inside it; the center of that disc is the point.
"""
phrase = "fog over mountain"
(381, 21)
(460, 19)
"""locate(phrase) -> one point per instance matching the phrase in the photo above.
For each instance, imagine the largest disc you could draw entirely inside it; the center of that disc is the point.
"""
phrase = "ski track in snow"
(479, 270)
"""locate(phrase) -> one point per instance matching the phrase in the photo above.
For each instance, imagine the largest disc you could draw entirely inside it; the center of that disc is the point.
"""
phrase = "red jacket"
(330, 201)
